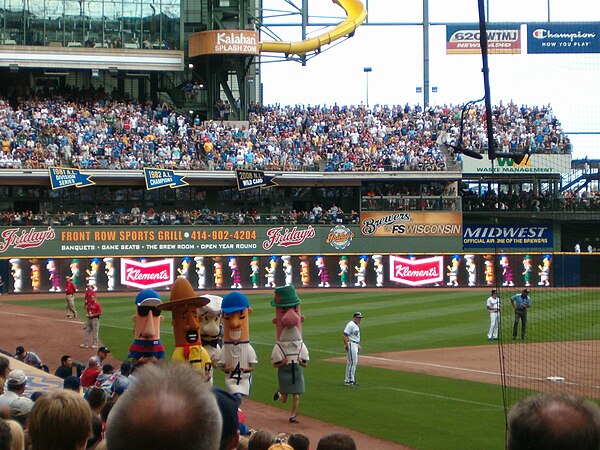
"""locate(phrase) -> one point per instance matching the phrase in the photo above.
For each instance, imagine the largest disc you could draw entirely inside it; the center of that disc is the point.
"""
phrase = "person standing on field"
(70, 290)
(521, 303)
(352, 345)
(493, 306)
(92, 326)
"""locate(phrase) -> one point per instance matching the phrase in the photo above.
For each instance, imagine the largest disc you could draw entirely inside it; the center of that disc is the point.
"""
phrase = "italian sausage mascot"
(17, 274)
(109, 270)
(200, 271)
(289, 355)
(210, 329)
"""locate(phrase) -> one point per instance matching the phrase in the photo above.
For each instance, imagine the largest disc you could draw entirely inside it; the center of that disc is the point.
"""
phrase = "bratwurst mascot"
(289, 355)
(184, 304)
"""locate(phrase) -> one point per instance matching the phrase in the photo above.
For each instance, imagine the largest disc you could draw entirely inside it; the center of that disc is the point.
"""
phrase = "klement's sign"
(464, 38)
(416, 272)
(411, 224)
(242, 42)
(147, 275)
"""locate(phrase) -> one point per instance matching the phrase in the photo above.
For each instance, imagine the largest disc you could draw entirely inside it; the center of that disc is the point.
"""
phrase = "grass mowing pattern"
(423, 412)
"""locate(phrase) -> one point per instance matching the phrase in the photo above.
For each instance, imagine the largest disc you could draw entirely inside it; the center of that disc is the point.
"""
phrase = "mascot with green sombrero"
(184, 304)
(289, 355)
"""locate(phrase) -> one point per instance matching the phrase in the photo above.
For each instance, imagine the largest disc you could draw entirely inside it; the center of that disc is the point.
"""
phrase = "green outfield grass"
(420, 411)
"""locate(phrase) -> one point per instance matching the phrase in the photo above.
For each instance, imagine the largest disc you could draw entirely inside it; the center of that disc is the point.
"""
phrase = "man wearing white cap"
(352, 345)
(13, 389)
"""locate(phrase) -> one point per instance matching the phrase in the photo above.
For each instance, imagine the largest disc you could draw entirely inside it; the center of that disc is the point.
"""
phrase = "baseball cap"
(525, 291)
(148, 297)
(16, 377)
(21, 406)
(104, 349)
(494, 291)
(19, 350)
(357, 314)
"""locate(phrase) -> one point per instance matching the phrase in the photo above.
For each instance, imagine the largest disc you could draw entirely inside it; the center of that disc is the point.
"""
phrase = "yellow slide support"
(356, 14)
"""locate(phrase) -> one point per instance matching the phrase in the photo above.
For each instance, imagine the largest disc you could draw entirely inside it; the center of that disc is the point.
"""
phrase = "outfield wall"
(311, 271)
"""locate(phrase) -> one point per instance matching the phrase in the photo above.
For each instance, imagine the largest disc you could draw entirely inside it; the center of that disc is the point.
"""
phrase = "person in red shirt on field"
(70, 290)
(92, 326)
(89, 292)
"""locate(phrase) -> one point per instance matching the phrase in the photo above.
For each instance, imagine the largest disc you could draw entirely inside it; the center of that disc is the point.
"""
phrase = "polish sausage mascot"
(146, 343)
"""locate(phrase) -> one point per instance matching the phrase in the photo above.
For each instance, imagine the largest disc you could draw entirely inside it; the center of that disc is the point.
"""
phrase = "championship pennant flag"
(159, 178)
(61, 178)
(247, 179)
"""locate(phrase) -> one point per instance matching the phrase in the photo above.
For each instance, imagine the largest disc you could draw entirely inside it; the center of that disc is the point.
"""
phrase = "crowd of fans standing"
(75, 130)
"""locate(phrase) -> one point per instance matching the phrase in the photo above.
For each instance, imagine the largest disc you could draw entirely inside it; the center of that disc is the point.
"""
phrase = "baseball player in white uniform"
(493, 306)
(352, 345)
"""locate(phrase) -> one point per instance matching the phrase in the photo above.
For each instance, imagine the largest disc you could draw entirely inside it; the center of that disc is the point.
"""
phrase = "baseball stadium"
(144, 149)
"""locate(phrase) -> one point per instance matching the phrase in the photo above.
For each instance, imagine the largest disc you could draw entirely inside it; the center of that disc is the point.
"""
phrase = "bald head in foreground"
(554, 422)
(168, 407)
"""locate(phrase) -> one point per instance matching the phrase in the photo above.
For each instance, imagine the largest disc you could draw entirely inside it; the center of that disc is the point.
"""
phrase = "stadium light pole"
(367, 70)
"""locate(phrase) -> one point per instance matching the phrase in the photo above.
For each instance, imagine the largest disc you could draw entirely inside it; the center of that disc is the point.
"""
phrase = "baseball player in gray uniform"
(352, 345)
(493, 306)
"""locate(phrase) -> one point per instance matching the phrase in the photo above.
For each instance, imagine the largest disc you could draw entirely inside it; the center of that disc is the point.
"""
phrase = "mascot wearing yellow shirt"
(184, 304)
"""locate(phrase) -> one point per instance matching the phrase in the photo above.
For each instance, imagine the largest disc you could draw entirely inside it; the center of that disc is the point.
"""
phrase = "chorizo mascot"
(184, 304)
(237, 356)
(146, 327)
(289, 355)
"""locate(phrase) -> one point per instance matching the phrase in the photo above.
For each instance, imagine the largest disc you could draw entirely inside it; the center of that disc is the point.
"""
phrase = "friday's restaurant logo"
(416, 272)
(22, 238)
(147, 275)
(340, 237)
(280, 237)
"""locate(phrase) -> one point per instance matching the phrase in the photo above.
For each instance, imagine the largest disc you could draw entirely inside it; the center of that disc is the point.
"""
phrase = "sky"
(569, 83)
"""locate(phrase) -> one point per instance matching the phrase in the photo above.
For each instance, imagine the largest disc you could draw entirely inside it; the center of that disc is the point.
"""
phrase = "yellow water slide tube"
(356, 14)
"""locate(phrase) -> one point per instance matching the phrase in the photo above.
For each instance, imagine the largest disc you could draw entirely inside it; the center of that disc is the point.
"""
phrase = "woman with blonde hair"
(18, 435)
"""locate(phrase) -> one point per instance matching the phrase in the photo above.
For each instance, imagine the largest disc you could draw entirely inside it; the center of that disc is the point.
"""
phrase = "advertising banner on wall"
(536, 164)
(464, 38)
(508, 236)
(411, 224)
(553, 37)
(460, 270)
(443, 234)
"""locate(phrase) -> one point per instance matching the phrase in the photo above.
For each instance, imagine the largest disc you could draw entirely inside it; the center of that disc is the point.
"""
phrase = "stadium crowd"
(103, 408)
(78, 129)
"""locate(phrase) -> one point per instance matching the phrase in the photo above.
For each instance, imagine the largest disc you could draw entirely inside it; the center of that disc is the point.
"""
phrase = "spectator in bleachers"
(60, 420)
